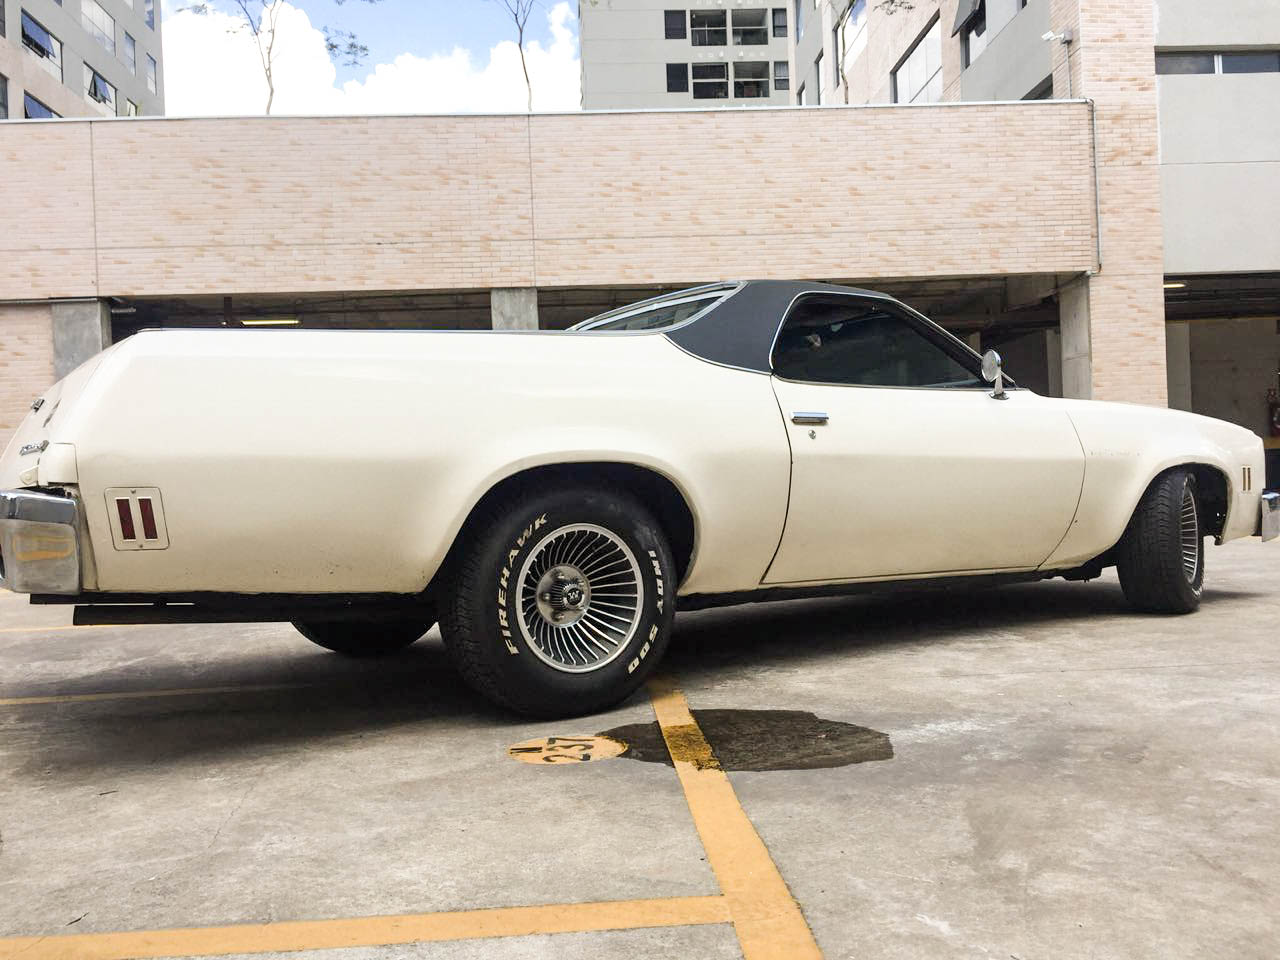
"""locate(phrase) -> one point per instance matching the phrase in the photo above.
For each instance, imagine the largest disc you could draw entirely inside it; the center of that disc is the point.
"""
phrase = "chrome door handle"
(809, 417)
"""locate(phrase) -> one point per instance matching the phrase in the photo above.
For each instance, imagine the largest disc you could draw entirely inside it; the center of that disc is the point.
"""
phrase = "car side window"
(856, 341)
(660, 317)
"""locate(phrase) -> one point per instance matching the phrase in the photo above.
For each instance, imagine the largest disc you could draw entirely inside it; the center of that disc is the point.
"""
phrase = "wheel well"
(651, 488)
(1211, 488)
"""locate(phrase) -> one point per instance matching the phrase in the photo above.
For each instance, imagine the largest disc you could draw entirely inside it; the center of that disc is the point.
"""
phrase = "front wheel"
(1160, 558)
(559, 603)
(362, 638)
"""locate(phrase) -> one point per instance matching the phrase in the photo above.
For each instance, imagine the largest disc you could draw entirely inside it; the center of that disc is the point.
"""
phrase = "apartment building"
(80, 58)
(650, 54)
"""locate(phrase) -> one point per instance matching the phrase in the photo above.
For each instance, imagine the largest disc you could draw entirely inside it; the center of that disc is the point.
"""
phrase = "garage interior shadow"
(340, 698)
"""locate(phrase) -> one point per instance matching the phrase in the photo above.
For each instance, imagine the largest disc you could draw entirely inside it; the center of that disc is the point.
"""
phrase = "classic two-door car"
(551, 498)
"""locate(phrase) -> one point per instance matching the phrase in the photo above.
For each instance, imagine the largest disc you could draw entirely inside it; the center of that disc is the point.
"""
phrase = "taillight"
(126, 520)
(148, 518)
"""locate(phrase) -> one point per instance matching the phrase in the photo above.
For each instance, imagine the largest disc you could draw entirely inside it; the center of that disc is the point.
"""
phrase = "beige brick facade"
(264, 205)
(26, 361)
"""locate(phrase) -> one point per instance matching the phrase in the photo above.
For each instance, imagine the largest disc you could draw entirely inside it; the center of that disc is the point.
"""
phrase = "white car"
(551, 498)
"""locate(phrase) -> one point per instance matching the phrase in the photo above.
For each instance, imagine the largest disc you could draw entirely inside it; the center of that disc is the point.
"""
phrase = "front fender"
(1127, 446)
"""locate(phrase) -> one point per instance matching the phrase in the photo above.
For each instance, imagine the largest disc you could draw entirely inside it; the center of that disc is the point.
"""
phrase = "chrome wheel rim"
(579, 598)
(1189, 529)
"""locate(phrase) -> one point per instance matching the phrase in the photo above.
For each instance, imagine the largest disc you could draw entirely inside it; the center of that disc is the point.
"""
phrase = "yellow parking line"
(766, 917)
(149, 694)
(371, 931)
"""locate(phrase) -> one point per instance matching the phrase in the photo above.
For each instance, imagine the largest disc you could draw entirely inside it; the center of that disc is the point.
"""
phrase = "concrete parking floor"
(1067, 780)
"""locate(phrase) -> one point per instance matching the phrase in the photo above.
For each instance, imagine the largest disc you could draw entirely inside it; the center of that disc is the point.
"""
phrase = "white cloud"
(212, 68)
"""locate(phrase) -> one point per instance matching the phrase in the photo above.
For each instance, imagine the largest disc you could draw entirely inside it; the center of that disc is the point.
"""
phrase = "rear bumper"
(1269, 517)
(39, 543)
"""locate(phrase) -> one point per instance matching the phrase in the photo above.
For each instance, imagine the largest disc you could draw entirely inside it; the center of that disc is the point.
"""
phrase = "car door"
(903, 464)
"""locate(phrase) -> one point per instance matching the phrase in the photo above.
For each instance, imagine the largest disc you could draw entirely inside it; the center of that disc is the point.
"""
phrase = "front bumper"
(39, 543)
(1269, 519)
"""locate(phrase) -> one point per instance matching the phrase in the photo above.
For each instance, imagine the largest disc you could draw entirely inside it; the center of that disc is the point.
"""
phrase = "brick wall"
(26, 361)
(261, 205)
(1113, 63)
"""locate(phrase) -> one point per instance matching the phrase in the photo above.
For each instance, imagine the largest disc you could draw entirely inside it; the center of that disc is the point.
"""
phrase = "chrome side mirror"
(994, 374)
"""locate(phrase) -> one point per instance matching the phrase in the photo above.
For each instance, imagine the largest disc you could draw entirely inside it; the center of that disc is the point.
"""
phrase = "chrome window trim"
(676, 297)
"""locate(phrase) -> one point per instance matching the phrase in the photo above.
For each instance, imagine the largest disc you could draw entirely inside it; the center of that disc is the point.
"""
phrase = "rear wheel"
(363, 638)
(559, 603)
(1160, 558)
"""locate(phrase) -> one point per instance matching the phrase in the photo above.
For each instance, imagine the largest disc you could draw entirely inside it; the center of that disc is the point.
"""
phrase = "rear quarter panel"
(344, 461)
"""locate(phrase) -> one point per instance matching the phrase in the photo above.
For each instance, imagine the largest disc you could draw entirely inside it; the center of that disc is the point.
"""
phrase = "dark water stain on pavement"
(765, 740)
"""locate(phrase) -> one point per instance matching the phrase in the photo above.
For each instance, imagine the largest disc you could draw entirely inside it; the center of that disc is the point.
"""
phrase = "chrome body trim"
(39, 543)
(1269, 516)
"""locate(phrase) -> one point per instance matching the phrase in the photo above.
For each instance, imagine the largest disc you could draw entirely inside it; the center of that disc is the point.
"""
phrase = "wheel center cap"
(563, 595)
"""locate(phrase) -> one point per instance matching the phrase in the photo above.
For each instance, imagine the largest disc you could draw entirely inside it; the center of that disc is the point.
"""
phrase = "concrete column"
(1177, 351)
(514, 308)
(1076, 343)
(1053, 360)
(81, 328)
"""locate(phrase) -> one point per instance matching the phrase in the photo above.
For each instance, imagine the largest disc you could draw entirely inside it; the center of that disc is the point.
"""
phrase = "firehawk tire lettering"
(504, 578)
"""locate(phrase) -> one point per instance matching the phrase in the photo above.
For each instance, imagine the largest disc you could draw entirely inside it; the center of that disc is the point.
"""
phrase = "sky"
(425, 56)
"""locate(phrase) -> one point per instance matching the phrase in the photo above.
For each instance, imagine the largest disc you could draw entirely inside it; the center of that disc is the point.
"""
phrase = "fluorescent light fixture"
(271, 322)
(1175, 285)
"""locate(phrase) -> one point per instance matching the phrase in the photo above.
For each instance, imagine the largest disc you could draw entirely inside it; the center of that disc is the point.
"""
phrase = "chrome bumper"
(39, 543)
(1269, 521)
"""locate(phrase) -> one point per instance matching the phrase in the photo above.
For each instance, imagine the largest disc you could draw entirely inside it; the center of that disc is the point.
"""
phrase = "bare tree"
(518, 11)
(259, 18)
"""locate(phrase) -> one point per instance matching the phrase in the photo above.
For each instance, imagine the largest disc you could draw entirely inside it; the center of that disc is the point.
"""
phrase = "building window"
(674, 24)
(749, 29)
(677, 78)
(835, 57)
(707, 28)
(130, 53)
(853, 33)
(151, 73)
(973, 39)
(33, 109)
(751, 79)
(817, 79)
(781, 75)
(1268, 62)
(918, 78)
(779, 21)
(4, 93)
(798, 17)
(1260, 61)
(149, 13)
(42, 44)
(3, 29)
(130, 108)
(98, 24)
(99, 92)
(710, 81)
(1167, 63)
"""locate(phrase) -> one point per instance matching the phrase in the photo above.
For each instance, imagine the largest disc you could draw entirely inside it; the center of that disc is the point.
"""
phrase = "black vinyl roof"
(740, 330)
